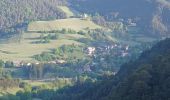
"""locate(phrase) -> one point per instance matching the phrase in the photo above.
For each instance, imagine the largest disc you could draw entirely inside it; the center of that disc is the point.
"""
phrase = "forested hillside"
(144, 79)
(148, 14)
(14, 14)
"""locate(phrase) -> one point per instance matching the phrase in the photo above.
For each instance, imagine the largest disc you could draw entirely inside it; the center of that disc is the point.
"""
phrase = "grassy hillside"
(26, 48)
(67, 10)
(76, 24)
(9, 91)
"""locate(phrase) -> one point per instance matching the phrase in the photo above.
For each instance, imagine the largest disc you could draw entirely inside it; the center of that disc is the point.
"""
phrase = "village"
(117, 50)
(99, 55)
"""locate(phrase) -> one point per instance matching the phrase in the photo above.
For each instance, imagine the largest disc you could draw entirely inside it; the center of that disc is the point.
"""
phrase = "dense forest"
(15, 14)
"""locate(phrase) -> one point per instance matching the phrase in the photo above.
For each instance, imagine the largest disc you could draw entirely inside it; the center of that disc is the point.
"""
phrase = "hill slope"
(144, 79)
(76, 24)
(148, 14)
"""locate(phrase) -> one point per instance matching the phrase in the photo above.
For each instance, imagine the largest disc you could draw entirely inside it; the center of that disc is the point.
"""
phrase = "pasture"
(26, 48)
(76, 24)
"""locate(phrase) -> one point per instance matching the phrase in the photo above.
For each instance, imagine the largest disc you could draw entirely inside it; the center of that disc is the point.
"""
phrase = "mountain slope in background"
(148, 14)
(152, 16)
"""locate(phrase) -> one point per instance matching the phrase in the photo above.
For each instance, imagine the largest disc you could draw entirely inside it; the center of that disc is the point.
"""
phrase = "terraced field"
(76, 24)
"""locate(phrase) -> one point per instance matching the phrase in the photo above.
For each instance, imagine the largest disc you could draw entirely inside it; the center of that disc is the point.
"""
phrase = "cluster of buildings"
(90, 50)
(19, 64)
(118, 50)
(102, 51)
